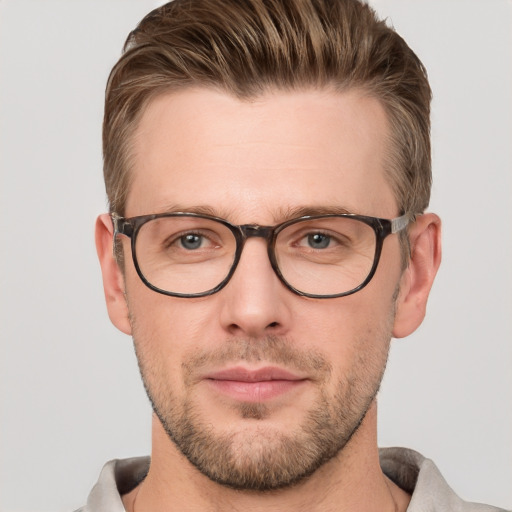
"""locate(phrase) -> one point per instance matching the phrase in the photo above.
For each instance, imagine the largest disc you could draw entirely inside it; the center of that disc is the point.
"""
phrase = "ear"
(113, 280)
(417, 279)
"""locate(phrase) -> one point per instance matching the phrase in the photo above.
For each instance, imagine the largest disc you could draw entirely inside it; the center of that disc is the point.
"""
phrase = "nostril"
(273, 324)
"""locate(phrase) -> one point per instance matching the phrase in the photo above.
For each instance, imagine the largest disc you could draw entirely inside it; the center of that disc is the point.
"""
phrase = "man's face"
(257, 386)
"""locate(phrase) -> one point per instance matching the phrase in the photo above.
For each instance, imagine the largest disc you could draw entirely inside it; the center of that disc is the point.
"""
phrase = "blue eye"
(191, 241)
(318, 241)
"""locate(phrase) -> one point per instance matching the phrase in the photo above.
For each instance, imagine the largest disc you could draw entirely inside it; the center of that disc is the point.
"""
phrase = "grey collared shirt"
(408, 469)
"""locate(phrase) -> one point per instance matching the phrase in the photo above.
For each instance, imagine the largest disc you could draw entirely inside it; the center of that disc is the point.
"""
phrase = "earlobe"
(417, 279)
(113, 280)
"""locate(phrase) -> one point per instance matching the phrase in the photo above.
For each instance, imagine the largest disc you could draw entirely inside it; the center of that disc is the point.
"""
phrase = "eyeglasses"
(193, 255)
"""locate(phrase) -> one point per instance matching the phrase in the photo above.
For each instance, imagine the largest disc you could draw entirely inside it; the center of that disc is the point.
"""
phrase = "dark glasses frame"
(382, 228)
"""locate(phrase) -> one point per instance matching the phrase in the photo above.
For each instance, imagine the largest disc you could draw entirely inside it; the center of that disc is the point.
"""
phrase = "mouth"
(258, 385)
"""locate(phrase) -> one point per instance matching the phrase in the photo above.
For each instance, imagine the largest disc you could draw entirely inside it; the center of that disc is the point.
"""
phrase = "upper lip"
(242, 374)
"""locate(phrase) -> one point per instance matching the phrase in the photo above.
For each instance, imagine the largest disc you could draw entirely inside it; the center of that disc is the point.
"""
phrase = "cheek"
(165, 327)
(347, 328)
(343, 319)
(360, 348)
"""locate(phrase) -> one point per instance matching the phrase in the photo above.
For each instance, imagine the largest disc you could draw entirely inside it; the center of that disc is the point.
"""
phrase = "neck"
(351, 481)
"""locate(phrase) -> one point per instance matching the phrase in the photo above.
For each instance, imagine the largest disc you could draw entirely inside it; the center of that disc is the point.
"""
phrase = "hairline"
(128, 147)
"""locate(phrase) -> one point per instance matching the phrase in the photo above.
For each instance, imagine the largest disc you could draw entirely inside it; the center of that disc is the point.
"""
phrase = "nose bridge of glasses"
(257, 231)
(254, 230)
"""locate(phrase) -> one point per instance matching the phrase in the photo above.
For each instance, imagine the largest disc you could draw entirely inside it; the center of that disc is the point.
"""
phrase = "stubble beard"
(261, 458)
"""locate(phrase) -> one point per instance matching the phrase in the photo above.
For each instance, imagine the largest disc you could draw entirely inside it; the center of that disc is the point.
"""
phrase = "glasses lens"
(183, 254)
(326, 256)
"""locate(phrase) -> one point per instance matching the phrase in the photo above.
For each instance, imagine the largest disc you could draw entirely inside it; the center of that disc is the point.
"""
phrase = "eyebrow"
(285, 214)
(282, 214)
(199, 209)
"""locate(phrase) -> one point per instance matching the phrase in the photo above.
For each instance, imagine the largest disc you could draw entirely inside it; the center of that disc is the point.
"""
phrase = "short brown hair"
(246, 47)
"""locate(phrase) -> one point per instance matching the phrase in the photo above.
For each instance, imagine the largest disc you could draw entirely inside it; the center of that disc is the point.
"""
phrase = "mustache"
(270, 349)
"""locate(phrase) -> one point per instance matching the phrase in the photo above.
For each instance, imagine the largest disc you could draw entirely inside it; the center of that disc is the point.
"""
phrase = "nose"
(254, 302)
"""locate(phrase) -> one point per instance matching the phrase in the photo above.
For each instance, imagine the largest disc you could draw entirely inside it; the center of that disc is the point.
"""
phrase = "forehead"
(251, 159)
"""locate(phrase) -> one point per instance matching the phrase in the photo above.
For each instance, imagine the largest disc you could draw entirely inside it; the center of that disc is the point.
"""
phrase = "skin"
(252, 162)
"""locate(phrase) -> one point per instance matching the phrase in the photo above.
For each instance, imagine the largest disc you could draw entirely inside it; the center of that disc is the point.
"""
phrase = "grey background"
(70, 394)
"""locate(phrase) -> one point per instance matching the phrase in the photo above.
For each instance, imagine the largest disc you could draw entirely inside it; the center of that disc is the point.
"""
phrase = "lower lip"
(255, 391)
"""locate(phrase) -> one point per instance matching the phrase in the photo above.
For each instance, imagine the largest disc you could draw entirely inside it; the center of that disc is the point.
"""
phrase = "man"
(268, 167)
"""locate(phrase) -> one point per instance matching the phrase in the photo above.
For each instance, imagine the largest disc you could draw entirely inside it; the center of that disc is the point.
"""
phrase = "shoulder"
(421, 478)
(118, 477)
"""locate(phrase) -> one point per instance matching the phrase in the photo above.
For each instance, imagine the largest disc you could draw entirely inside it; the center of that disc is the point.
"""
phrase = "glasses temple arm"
(400, 223)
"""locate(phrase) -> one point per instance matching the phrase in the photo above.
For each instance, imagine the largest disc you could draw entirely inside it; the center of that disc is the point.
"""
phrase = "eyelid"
(333, 239)
(175, 237)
